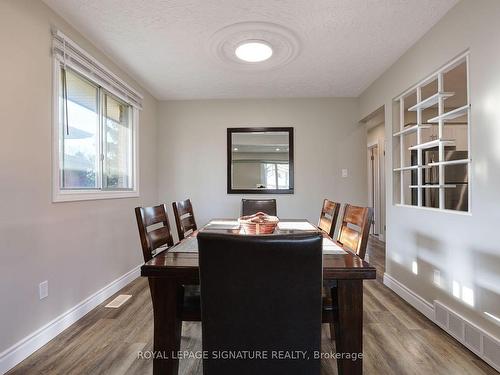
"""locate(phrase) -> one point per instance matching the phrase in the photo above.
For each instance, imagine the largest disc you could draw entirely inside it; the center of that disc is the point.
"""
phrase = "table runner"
(190, 245)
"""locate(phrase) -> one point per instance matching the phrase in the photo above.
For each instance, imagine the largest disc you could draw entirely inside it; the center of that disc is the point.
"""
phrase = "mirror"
(260, 160)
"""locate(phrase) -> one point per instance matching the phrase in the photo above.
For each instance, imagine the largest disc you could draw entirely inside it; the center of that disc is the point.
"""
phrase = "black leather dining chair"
(252, 206)
(260, 294)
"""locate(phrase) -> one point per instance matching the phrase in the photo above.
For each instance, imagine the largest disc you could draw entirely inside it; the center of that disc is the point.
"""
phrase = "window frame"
(69, 195)
(399, 133)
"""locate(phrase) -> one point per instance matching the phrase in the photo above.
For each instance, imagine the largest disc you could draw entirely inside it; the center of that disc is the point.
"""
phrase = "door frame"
(374, 193)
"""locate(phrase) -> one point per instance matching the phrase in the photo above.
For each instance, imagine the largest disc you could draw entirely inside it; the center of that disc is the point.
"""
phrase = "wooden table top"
(184, 265)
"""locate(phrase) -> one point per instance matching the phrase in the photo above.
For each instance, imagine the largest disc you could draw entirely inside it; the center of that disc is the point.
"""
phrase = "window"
(275, 175)
(95, 130)
(117, 140)
(79, 129)
(432, 141)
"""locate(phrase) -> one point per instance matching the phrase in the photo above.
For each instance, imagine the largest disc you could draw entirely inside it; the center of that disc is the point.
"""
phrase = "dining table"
(178, 265)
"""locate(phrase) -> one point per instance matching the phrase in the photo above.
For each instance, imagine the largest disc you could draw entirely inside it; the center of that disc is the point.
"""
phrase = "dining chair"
(252, 206)
(353, 235)
(328, 217)
(154, 240)
(261, 294)
(157, 238)
(355, 228)
(184, 218)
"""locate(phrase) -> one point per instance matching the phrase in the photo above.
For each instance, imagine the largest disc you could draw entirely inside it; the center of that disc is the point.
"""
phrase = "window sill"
(442, 210)
(79, 195)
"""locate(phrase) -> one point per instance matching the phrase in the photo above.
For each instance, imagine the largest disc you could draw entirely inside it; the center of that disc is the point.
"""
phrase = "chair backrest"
(252, 206)
(184, 218)
(355, 228)
(328, 216)
(260, 294)
(152, 240)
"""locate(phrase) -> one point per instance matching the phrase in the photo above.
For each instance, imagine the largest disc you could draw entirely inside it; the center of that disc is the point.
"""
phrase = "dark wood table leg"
(349, 328)
(167, 298)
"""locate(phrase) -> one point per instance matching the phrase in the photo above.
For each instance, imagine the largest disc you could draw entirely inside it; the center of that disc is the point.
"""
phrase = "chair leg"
(334, 295)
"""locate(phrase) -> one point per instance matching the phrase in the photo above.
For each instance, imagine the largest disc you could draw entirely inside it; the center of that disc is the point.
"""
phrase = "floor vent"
(118, 301)
(474, 338)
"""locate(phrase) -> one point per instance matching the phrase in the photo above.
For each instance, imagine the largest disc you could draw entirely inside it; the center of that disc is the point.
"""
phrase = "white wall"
(79, 247)
(464, 248)
(192, 152)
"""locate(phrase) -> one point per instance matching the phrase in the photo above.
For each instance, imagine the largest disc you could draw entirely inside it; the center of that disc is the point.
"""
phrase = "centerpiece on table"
(259, 223)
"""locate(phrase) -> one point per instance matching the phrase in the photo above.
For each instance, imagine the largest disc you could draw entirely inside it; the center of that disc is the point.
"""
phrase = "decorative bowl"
(259, 223)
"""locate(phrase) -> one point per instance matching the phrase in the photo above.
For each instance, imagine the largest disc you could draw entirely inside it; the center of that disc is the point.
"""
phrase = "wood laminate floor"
(397, 338)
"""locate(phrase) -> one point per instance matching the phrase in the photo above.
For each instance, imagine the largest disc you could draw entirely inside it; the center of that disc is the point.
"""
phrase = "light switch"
(437, 277)
(43, 289)
(344, 172)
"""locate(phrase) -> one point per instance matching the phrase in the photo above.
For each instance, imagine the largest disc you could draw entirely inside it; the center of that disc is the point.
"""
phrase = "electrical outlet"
(344, 172)
(43, 289)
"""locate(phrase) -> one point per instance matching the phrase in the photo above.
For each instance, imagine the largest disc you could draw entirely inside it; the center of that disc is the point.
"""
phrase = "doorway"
(375, 131)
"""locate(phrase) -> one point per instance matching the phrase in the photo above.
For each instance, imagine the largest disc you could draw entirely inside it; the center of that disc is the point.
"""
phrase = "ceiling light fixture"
(235, 149)
(277, 149)
(253, 51)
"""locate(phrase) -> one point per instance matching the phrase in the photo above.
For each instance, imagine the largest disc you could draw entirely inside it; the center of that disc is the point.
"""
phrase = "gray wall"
(464, 248)
(79, 247)
(192, 152)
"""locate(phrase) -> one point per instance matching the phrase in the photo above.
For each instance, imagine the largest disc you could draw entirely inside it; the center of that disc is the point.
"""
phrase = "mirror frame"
(230, 132)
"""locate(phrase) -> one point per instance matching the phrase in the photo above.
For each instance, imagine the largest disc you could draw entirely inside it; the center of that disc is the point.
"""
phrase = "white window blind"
(69, 53)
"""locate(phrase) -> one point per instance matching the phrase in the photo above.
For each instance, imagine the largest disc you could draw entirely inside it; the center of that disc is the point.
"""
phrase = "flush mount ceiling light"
(253, 46)
(254, 51)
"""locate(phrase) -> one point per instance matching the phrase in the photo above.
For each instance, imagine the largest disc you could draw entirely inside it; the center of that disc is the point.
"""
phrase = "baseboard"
(27, 346)
(409, 296)
(477, 340)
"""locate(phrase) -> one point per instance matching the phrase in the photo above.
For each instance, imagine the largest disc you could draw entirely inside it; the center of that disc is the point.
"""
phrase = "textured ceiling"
(344, 45)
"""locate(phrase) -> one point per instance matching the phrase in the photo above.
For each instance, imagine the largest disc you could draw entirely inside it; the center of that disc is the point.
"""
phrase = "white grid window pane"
(117, 144)
(270, 175)
(80, 133)
(431, 144)
(283, 176)
(276, 175)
